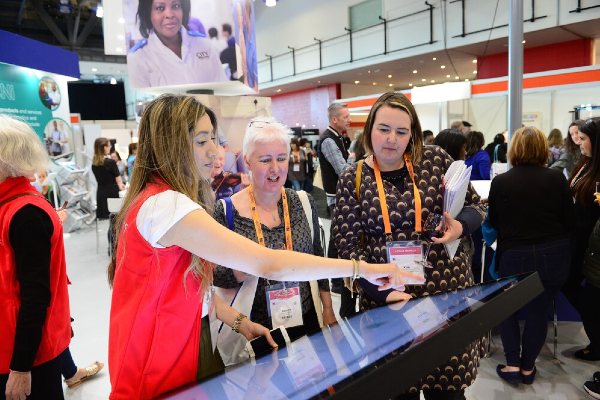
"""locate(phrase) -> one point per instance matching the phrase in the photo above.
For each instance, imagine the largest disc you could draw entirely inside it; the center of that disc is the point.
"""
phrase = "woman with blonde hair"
(556, 146)
(35, 326)
(167, 242)
(532, 209)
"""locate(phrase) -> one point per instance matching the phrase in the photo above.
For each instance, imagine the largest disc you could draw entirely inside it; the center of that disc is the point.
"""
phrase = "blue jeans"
(551, 260)
(298, 185)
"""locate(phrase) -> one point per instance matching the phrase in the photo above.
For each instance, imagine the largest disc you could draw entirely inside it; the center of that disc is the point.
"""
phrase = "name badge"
(296, 167)
(284, 304)
(408, 256)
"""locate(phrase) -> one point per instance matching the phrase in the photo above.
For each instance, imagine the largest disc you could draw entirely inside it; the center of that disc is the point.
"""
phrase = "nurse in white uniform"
(170, 54)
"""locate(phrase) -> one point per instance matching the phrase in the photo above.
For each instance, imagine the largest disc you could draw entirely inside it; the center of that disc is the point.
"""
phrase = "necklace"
(274, 214)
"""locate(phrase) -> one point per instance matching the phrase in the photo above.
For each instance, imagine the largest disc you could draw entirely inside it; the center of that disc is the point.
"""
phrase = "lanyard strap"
(577, 178)
(256, 219)
(383, 201)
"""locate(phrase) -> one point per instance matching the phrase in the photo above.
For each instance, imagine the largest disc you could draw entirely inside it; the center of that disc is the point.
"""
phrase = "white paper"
(456, 183)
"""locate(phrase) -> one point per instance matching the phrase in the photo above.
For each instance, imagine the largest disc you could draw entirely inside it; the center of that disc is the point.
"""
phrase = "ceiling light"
(410, 84)
(475, 71)
(318, 81)
(357, 82)
(433, 81)
(374, 83)
(314, 125)
(524, 41)
(414, 71)
(94, 69)
(278, 90)
(474, 61)
(467, 80)
(391, 84)
(368, 72)
(297, 123)
(434, 58)
(113, 81)
(423, 79)
(442, 66)
(121, 20)
(389, 76)
(304, 126)
(270, 3)
(100, 11)
(447, 76)
(119, 49)
(456, 77)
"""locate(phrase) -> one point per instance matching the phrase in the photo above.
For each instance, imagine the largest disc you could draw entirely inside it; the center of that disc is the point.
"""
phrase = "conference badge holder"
(408, 256)
(284, 304)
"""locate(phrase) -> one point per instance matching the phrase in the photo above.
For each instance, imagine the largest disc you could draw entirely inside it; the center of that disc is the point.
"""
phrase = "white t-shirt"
(159, 213)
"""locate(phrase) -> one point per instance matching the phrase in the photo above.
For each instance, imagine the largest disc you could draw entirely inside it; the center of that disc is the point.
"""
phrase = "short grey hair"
(21, 150)
(265, 129)
(334, 110)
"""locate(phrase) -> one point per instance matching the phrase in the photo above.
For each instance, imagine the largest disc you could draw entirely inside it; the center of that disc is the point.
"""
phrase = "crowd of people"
(168, 269)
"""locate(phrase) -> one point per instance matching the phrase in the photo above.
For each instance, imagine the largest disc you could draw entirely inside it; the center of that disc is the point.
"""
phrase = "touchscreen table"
(375, 354)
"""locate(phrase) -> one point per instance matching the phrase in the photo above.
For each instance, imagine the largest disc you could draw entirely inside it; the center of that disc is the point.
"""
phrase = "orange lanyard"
(383, 202)
(576, 180)
(256, 219)
(294, 159)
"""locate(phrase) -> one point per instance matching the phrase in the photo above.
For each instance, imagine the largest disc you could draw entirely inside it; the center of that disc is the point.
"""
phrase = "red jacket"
(56, 333)
(154, 338)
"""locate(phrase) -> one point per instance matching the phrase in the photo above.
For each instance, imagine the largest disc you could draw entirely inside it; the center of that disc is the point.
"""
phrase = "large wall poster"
(38, 98)
(205, 44)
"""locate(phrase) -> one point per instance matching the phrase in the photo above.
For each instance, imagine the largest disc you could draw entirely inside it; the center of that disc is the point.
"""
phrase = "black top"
(530, 205)
(30, 234)
(328, 174)
(106, 174)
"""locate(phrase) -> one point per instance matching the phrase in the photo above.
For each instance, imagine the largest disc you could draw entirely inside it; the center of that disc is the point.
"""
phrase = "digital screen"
(404, 337)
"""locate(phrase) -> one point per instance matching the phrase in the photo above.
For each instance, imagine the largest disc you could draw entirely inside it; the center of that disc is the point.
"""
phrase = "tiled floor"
(90, 306)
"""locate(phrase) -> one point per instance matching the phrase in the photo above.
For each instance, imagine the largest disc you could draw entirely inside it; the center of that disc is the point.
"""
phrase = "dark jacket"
(328, 174)
(591, 262)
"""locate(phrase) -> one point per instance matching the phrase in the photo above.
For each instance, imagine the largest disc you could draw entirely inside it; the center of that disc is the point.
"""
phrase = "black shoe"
(511, 377)
(528, 379)
(593, 387)
(586, 355)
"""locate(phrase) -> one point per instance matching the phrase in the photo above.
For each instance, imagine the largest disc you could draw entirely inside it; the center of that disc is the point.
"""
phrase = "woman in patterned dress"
(394, 141)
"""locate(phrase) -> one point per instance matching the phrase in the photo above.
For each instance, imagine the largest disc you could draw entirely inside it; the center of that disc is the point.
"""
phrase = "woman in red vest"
(161, 271)
(35, 326)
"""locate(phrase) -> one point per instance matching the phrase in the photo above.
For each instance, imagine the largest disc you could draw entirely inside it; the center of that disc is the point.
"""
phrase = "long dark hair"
(569, 143)
(145, 9)
(475, 142)
(451, 140)
(585, 188)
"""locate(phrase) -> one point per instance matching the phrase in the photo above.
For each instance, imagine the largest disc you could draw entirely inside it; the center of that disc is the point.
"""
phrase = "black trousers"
(46, 382)
(348, 304)
(590, 316)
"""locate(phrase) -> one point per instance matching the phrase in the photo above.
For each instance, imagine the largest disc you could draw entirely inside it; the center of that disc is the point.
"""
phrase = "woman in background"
(477, 157)
(556, 145)
(572, 152)
(532, 236)
(120, 164)
(107, 175)
(297, 165)
(131, 158)
(454, 142)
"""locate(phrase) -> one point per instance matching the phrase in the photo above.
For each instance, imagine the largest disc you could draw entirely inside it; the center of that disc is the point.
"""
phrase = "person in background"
(220, 45)
(359, 151)
(427, 137)
(107, 175)
(131, 158)
(116, 157)
(532, 236)
(225, 184)
(310, 167)
(497, 149)
(458, 125)
(333, 158)
(47, 191)
(466, 128)
(572, 152)
(297, 169)
(407, 171)
(477, 157)
(161, 271)
(34, 299)
(557, 146)
(583, 185)
(266, 149)
(454, 142)
(58, 138)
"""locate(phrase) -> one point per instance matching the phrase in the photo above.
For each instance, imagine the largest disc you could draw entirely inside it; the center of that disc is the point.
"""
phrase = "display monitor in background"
(310, 132)
(98, 101)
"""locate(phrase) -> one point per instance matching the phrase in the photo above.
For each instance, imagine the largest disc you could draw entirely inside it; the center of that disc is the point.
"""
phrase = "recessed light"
(434, 58)
(423, 79)
(119, 49)
(467, 80)
(278, 90)
(120, 37)
(368, 72)
(389, 76)
(456, 77)
(314, 125)
(475, 71)
(447, 76)
(297, 123)
(414, 71)
(433, 81)
(318, 81)
(524, 41)
(442, 66)
(474, 61)
(357, 82)
(121, 20)
(391, 84)
(374, 83)
(410, 84)
(94, 69)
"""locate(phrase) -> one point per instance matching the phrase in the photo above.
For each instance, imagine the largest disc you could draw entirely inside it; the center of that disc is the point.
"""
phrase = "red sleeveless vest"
(154, 335)
(56, 333)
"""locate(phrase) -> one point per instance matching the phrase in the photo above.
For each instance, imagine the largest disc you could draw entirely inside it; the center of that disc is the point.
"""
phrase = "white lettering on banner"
(7, 92)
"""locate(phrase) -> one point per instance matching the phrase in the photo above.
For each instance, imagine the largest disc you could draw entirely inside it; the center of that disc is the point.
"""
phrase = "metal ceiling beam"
(49, 22)
(87, 29)
(20, 15)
